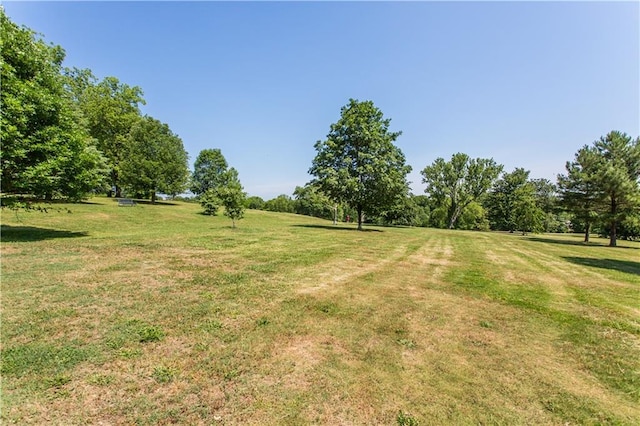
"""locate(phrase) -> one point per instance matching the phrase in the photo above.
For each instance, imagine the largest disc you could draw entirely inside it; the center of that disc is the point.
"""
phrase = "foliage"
(155, 161)
(46, 153)
(110, 109)
(209, 171)
(527, 215)
(311, 202)
(254, 202)
(473, 218)
(579, 191)
(358, 164)
(461, 181)
(404, 419)
(231, 196)
(602, 184)
(282, 203)
(210, 202)
(501, 200)
(617, 177)
(406, 212)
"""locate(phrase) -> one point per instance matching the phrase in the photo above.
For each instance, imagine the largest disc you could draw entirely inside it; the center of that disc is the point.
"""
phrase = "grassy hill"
(158, 314)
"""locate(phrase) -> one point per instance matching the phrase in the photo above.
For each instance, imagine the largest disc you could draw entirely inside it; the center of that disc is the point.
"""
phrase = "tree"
(156, 160)
(209, 171)
(527, 215)
(110, 109)
(254, 202)
(579, 192)
(282, 203)
(310, 201)
(231, 196)
(210, 202)
(500, 201)
(45, 151)
(474, 218)
(617, 178)
(461, 181)
(358, 164)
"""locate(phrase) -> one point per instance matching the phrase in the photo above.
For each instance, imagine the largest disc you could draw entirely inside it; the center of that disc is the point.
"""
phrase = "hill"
(158, 314)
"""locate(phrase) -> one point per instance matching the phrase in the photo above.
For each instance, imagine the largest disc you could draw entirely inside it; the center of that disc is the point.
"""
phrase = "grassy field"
(158, 315)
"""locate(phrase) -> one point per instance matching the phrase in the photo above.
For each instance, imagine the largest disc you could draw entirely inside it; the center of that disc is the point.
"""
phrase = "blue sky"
(525, 83)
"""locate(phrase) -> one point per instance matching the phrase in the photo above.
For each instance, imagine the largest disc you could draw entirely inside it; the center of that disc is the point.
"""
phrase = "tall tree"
(617, 178)
(210, 171)
(527, 215)
(579, 192)
(155, 160)
(45, 151)
(461, 181)
(358, 164)
(232, 196)
(310, 201)
(110, 109)
(282, 203)
(500, 202)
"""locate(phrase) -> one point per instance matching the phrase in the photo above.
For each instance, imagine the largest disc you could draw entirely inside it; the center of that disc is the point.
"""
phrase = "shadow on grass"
(148, 202)
(16, 234)
(576, 243)
(627, 266)
(337, 228)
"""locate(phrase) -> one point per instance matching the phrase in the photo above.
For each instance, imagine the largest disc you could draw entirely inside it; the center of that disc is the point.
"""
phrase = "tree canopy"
(460, 181)
(46, 153)
(209, 171)
(155, 160)
(358, 164)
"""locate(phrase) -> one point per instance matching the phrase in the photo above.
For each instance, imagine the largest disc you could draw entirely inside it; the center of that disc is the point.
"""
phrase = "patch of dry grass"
(158, 315)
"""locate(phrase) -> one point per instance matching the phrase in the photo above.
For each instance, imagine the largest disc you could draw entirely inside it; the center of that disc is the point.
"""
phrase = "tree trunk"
(614, 209)
(360, 216)
(153, 197)
(586, 232)
(118, 191)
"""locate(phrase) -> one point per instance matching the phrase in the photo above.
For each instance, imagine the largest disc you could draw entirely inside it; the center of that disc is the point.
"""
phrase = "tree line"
(66, 135)
(359, 170)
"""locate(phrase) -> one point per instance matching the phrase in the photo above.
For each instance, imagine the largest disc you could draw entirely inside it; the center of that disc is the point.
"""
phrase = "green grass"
(158, 314)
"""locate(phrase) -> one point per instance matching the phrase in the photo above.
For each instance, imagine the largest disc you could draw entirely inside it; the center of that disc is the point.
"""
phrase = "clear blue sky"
(525, 83)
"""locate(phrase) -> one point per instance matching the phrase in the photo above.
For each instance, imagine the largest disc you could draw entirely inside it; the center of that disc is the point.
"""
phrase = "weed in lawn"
(262, 321)
(150, 333)
(101, 379)
(57, 381)
(163, 374)
(407, 343)
(404, 419)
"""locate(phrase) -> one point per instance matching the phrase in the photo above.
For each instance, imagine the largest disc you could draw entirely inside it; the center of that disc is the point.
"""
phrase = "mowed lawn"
(158, 315)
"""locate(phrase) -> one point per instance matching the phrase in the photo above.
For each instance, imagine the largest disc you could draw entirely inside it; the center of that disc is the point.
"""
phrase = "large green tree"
(45, 151)
(459, 182)
(155, 160)
(109, 110)
(527, 214)
(358, 164)
(618, 177)
(579, 192)
(232, 196)
(500, 201)
(210, 171)
(310, 201)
